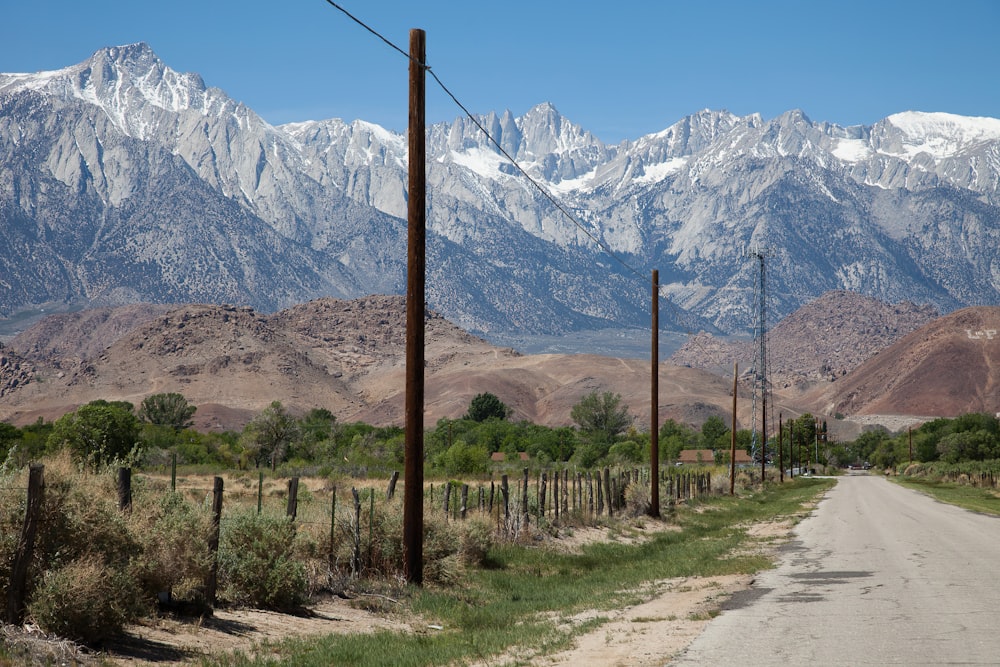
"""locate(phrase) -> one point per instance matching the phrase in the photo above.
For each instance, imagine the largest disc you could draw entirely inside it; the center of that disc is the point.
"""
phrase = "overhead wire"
(552, 199)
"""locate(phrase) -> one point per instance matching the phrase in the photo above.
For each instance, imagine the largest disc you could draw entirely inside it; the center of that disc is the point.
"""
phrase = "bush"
(84, 600)
(442, 542)
(637, 499)
(257, 565)
(175, 557)
(476, 540)
(79, 518)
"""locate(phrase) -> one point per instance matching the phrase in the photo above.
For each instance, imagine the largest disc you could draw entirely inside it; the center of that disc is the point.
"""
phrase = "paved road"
(876, 575)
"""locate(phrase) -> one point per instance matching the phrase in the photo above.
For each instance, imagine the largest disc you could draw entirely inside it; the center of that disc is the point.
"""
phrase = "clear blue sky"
(620, 69)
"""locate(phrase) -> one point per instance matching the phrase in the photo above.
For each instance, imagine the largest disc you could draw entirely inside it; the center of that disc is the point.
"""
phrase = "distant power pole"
(732, 435)
(413, 489)
(654, 408)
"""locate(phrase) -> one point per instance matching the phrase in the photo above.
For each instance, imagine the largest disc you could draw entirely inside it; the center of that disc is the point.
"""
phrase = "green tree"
(33, 444)
(627, 452)
(99, 432)
(486, 406)
(867, 444)
(715, 434)
(268, 435)
(553, 444)
(317, 430)
(967, 446)
(170, 409)
(674, 437)
(9, 435)
(601, 416)
(464, 459)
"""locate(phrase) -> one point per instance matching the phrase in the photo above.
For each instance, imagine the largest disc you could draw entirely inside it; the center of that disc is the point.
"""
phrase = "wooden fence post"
(505, 492)
(524, 498)
(333, 522)
(124, 489)
(590, 494)
(25, 545)
(600, 494)
(260, 491)
(541, 494)
(465, 499)
(356, 559)
(211, 584)
(565, 498)
(555, 494)
(371, 524)
(173, 471)
(392, 485)
(607, 491)
(293, 498)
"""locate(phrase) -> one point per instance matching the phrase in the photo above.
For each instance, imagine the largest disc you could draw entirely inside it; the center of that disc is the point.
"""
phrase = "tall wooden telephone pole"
(413, 489)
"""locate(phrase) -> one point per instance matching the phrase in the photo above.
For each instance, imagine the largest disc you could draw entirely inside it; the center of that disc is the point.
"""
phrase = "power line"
(370, 29)
(555, 202)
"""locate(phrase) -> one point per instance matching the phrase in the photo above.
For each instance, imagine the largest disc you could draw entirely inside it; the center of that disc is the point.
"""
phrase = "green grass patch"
(514, 606)
(968, 497)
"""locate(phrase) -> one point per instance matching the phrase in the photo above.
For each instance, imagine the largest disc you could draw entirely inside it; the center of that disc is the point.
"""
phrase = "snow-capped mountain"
(122, 180)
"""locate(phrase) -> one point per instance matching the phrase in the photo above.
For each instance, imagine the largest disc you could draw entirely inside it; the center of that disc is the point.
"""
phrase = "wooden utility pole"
(781, 455)
(413, 490)
(791, 448)
(732, 439)
(654, 408)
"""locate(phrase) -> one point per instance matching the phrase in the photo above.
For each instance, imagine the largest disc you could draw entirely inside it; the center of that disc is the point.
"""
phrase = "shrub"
(79, 518)
(173, 535)
(257, 565)
(637, 499)
(84, 600)
(476, 540)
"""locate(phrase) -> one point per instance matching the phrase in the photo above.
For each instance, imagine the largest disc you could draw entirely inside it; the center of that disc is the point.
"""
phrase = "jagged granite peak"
(123, 81)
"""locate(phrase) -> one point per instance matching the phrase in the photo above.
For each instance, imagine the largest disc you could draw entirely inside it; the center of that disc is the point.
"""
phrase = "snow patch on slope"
(943, 135)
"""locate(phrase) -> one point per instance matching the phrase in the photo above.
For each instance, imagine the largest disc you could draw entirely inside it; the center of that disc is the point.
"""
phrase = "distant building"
(500, 457)
(696, 457)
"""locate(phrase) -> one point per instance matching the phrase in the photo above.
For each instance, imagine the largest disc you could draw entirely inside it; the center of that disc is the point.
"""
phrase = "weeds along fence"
(351, 529)
(979, 474)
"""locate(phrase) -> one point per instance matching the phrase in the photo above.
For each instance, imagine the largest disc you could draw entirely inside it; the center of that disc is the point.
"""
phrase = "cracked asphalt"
(876, 575)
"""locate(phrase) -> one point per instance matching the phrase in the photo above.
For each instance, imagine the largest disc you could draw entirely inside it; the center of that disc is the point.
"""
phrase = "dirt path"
(649, 633)
(168, 641)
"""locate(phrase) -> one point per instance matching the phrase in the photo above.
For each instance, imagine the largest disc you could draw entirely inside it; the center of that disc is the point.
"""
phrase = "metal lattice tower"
(760, 370)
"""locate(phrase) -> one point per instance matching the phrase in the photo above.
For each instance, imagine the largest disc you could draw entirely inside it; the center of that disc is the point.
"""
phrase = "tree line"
(603, 433)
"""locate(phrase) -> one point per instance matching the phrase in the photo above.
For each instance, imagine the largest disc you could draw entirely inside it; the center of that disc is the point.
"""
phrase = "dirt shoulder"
(169, 641)
(675, 613)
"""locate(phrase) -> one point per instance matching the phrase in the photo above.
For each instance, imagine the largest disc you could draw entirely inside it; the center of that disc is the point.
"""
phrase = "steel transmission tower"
(760, 366)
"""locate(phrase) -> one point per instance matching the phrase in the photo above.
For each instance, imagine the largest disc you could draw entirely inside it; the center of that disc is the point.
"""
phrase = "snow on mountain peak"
(943, 135)
(121, 80)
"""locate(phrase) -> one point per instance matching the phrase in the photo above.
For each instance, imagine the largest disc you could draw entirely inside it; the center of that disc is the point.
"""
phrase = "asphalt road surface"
(876, 575)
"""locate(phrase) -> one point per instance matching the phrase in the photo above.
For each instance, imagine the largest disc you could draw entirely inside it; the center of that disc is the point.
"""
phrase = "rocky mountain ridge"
(124, 181)
(349, 356)
(344, 355)
(820, 342)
